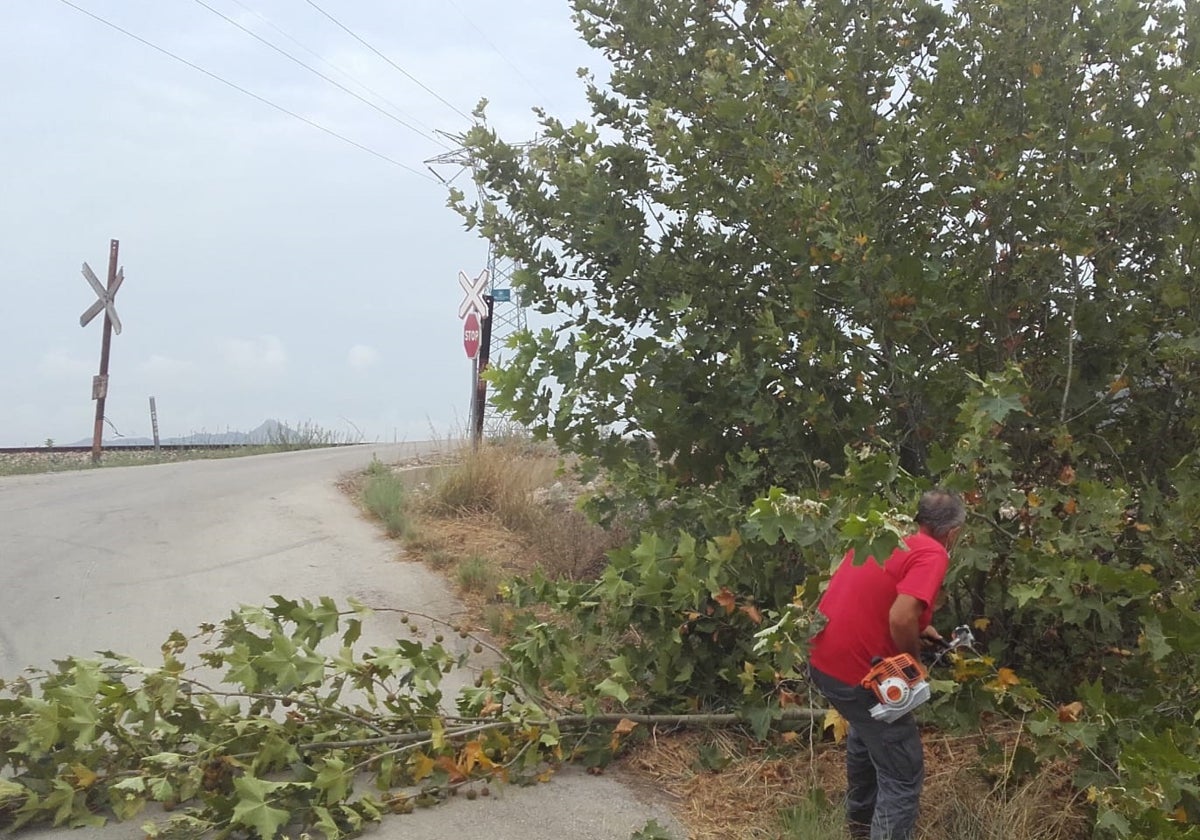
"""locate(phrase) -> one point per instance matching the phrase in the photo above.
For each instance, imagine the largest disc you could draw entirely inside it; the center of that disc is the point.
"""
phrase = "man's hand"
(931, 637)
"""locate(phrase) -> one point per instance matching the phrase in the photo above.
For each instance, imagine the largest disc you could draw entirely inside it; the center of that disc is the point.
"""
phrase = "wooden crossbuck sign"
(105, 302)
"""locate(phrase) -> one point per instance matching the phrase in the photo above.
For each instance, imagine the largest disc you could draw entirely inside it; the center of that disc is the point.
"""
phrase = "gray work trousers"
(885, 764)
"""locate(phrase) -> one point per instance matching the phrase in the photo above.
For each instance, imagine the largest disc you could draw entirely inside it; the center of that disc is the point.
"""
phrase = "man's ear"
(952, 537)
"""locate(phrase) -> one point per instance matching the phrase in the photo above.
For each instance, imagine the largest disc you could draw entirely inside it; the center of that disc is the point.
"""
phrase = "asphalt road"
(117, 558)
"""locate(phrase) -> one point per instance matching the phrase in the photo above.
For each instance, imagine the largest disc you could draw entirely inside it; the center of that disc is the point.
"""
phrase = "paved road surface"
(118, 558)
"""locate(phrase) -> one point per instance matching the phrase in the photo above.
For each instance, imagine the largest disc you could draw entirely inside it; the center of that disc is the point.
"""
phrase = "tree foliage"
(850, 250)
(279, 719)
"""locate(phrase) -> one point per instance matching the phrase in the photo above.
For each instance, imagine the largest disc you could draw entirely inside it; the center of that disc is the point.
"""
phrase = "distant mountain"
(269, 431)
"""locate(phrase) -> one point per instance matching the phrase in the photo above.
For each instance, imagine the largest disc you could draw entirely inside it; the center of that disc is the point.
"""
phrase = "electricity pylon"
(508, 311)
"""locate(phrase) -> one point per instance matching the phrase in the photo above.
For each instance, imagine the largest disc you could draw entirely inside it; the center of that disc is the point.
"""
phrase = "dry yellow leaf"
(625, 726)
(421, 765)
(1004, 678)
(473, 755)
(861, 239)
(981, 624)
(84, 776)
(726, 599)
(1036, 69)
(789, 737)
(1146, 568)
(839, 725)
(1070, 712)
(752, 613)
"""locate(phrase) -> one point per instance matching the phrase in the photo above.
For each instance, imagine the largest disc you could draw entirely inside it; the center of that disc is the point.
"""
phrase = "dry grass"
(760, 790)
(495, 479)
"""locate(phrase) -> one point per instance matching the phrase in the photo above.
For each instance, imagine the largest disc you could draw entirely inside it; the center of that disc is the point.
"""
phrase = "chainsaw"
(901, 683)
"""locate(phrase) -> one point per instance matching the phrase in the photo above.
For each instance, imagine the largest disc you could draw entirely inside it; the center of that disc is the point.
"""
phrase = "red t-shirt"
(859, 599)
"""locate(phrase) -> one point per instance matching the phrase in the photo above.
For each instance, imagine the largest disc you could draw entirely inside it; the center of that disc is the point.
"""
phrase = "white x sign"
(105, 302)
(473, 302)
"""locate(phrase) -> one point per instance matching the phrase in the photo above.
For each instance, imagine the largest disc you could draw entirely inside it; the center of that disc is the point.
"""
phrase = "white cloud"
(265, 354)
(59, 364)
(362, 357)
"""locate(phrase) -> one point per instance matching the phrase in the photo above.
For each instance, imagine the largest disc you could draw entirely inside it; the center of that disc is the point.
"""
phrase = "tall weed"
(386, 496)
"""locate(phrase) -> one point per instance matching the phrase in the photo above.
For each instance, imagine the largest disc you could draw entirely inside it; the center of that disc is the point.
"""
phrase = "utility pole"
(105, 302)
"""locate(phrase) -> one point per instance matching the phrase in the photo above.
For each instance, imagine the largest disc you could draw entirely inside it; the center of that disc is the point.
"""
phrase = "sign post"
(476, 340)
(485, 342)
(105, 303)
(154, 422)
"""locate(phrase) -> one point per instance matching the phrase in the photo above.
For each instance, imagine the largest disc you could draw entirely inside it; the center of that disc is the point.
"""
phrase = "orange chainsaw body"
(900, 684)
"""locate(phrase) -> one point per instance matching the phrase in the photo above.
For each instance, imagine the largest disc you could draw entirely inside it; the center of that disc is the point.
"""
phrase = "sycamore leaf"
(252, 809)
(11, 791)
(83, 776)
(752, 613)
(1070, 712)
(451, 767)
(981, 624)
(996, 407)
(333, 780)
(726, 599)
(1005, 677)
(421, 766)
(727, 546)
(625, 726)
(611, 688)
(839, 725)
(473, 755)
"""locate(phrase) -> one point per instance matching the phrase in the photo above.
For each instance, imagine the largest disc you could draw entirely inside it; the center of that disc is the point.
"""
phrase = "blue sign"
(502, 295)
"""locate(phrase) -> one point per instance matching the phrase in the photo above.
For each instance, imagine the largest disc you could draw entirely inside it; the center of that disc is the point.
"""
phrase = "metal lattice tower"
(508, 316)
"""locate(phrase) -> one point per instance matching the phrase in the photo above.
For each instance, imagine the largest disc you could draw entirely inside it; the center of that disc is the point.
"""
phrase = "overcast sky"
(271, 269)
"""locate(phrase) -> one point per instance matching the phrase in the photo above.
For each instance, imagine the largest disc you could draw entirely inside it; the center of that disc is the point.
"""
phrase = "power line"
(251, 94)
(345, 73)
(497, 51)
(317, 72)
(417, 81)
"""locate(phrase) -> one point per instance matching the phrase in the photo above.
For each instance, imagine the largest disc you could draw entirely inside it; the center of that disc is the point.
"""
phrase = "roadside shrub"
(386, 497)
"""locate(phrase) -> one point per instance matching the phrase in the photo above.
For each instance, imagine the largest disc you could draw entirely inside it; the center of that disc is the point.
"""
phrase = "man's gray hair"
(940, 511)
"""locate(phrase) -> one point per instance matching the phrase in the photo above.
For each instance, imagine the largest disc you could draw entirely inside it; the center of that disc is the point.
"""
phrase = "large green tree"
(791, 225)
(851, 249)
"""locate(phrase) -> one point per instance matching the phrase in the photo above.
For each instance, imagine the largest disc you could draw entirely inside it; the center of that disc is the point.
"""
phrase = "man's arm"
(904, 621)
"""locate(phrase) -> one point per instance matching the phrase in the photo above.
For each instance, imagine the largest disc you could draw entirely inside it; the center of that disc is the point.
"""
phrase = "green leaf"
(253, 808)
(333, 780)
(611, 688)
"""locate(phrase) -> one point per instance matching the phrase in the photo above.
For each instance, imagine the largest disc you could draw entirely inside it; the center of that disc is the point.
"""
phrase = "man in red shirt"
(879, 610)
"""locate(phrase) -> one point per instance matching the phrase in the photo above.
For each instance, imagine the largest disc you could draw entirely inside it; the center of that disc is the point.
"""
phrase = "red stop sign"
(471, 335)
